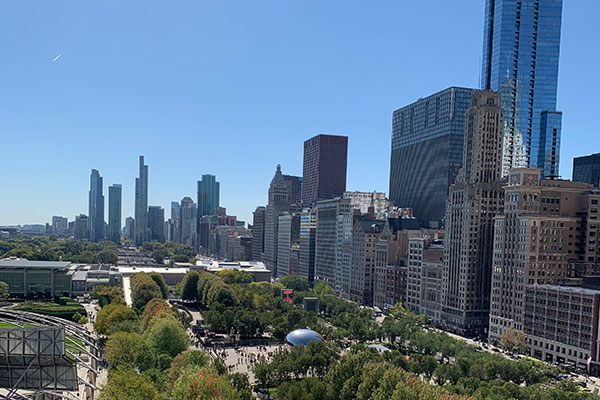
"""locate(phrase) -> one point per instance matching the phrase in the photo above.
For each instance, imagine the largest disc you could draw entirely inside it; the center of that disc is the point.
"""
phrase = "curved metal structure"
(41, 355)
(303, 337)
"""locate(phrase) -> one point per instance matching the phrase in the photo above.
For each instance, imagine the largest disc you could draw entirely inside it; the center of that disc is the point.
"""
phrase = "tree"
(114, 317)
(295, 282)
(231, 276)
(162, 284)
(159, 254)
(108, 294)
(126, 384)
(166, 335)
(189, 288)
(108, 257)
(428, 366)
(155, 307)
(323, 289)
(513, 341)
(188, 358)
(143, 289)
(203, 384)
(123, 348)
(3, 291)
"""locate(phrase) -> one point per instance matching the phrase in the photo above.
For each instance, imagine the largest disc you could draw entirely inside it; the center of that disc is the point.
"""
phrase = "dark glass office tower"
(521, 47)
(324, 170)
(114, 213)
(141, 205)
(208, 195)
(427, 151)
(96, 208)
(156, 223)
(587, 169)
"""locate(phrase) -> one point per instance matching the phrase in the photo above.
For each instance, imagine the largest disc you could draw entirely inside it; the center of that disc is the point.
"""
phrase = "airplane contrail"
(57, 57)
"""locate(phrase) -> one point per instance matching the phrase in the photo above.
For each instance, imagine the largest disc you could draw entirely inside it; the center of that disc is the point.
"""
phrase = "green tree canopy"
(162, 284)
(143, 289)
(124, 383)
(166, 335)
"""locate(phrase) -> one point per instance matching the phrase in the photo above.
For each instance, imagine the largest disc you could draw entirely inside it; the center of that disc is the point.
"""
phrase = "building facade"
(288, 234)
(474, 199)
(390, 286)
(96, 208)
(258, 233)
(208, 195)
(587, 169)
(141, 205)
(369, 252)
(333, 242)
(546, 234)
(366, 201)
(561, 324)
(307, 239)
(427, 151)
(80, 230)
(324, 169)
(188, 222)
(114, 213)
(278, 204)
(295, 188)
(156, 223)
(60, 225)
(521, 48)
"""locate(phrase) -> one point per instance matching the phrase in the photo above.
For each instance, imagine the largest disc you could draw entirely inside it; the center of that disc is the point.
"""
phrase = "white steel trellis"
(37, 361)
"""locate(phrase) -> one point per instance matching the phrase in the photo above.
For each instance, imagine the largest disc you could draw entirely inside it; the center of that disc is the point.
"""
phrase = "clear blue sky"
(233, 88)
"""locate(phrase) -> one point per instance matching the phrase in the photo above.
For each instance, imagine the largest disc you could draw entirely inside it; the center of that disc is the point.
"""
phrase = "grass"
(66, 310)
(9, 325)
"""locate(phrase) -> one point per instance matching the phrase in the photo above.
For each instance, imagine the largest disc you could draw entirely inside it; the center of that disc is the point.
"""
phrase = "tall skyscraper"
(278, 204)
(114, 213)
(521, 47)
(427, 146)
(324, 170)
(80, 230)
(141, 205)
(188, 222)
(156, 223)
(208, 195)
(96, 208)
(174, 227)
(295, 187)
(288, 232)
(333, 243)
(587, 169)
(308, 233)
(258, 233)
(129, 229)
(474, 199)
(60, 225)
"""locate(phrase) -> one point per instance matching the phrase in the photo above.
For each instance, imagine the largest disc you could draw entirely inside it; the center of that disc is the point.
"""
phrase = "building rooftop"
(570, 289)
(24, 263)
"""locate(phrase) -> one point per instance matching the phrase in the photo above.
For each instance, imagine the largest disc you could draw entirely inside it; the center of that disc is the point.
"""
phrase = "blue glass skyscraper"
(208, 195)
(521, 48)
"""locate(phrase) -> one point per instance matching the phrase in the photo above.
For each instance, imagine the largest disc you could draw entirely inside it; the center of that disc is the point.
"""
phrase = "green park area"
(148, 349)
(62, 307)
